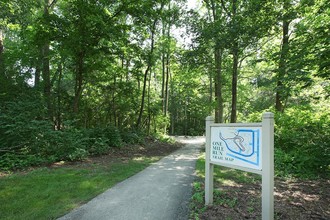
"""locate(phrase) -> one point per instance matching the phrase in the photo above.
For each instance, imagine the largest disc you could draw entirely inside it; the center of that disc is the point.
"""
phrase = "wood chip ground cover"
(294, 199)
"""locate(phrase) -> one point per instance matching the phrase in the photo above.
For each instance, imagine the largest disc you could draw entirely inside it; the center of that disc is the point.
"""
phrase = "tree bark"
(38, 71)
(143, 96)
(218, 86)
(153, 29)
(2, 65)
(233, 116)
(280, 90)
(218, 71)
(163, 72)
(114, 107)
(149, 108)
(79, 81)
(168, 62)
(167, 82)
(46, 64)
(59, 98)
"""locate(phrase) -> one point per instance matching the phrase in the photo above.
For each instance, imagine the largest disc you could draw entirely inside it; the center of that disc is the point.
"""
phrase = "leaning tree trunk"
(146, 72)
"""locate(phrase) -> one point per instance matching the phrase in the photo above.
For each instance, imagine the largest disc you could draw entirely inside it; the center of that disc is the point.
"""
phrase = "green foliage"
(99, 140)
(302, 142)
(113, 135)
(97, 146)
(132, 136)
(28, 139)
(101, 64)
(223, 199)
(78, 154)
(197, 201)
(11, 161)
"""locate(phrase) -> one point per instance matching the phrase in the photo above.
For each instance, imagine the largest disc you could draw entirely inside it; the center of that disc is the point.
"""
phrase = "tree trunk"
(149, 108)
(78, 81)
(46, 64)
(173, 112)
(218, 71)
(153, 29)
(167, 82)
(37, 73)
(143, 96)
(2, 65)
(163, 72)
(218, 86)
(233, 116)
(168, 57)
(114, 107)
(59, 109)
(280, 91)
(46, 78)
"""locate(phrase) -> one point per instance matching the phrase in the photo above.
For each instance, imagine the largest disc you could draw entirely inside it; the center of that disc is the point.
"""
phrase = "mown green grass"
(48, 193)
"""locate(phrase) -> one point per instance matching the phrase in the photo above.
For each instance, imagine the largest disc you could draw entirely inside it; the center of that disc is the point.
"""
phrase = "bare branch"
(224, 8)
(52, 3)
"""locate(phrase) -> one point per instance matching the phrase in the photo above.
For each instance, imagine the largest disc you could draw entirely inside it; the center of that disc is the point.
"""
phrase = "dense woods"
(78, 77)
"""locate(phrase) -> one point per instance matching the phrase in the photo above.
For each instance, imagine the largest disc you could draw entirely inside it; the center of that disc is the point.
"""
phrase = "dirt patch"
(294, 200)
(150, 148)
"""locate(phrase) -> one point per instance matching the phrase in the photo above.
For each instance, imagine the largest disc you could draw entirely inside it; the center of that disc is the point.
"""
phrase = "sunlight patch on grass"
(48, 193)
(226, 176)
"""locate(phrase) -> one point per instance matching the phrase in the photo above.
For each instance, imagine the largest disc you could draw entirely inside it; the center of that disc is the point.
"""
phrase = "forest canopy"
(78, 77)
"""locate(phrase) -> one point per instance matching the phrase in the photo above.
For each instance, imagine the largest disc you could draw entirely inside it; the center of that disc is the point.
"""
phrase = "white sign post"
(247, 147)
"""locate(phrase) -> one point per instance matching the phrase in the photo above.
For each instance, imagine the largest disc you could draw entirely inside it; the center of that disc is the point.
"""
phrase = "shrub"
(132, 137)
(98, 146)
(113, 136)
(99, 140)
(11, 161)
(78, 154)
(302, 141)
(27, 137)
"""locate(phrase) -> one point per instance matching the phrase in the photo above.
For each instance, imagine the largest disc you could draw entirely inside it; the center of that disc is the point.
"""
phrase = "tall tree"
(217, 20)
(48, 4)
(153, 20)
(235, 53)
(2, 66)
(282, 64)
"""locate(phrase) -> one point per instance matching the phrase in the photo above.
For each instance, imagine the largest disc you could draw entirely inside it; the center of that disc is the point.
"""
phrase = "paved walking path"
(160, 192)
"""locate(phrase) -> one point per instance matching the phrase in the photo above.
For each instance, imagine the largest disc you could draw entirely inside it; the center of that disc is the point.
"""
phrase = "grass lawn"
(48, 193)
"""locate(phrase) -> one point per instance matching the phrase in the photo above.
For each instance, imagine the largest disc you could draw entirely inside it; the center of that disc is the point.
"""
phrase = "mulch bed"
(293, 200)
